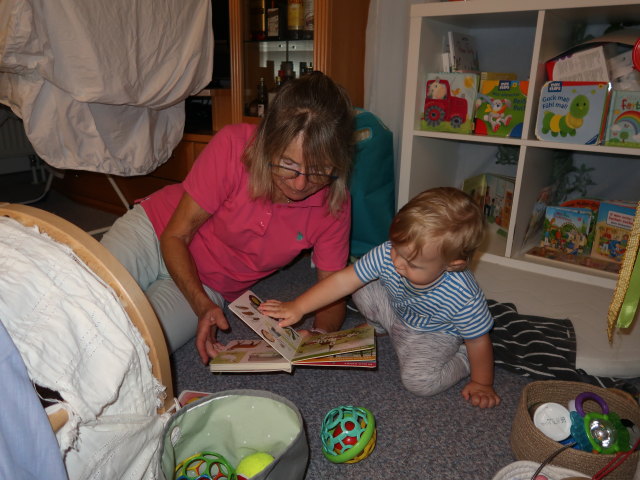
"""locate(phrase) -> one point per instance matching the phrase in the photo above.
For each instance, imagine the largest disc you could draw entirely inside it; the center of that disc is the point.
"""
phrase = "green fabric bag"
(372, 184)
(234, 424)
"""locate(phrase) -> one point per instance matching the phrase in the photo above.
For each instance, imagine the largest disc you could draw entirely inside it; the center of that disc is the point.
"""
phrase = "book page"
(249, 356)
(285, 340)
(584, 66)
(360, 359)
(334, 343)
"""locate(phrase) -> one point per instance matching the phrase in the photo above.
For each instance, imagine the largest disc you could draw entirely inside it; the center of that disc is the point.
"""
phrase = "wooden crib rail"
(111, 271)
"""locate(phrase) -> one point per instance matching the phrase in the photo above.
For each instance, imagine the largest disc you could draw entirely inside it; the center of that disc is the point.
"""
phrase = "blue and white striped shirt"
(453, 304)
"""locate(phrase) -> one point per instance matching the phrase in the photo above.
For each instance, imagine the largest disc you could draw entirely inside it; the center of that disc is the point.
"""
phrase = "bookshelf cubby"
(514, 37)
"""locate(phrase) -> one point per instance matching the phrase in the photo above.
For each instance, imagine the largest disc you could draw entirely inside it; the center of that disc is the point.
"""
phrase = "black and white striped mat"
(540, 348)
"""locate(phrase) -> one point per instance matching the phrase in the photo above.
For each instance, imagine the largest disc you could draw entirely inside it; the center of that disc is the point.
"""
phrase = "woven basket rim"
(529, 443)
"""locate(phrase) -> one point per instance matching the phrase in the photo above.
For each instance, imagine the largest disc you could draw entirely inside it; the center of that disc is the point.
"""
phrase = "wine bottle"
(295, 19)
(307, 32)
(276, 17)
(258, 19)
(262, 98)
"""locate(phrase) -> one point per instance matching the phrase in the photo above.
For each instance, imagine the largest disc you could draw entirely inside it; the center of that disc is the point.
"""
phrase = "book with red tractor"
(449, 102)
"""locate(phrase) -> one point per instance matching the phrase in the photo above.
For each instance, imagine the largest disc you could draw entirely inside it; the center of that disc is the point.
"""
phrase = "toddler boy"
(417, 288)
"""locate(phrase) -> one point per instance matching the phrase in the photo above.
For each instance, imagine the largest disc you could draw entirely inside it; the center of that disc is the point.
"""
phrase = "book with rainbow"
(623, 121)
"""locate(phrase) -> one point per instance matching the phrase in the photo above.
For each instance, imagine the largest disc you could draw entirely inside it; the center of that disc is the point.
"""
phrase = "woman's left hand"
(208, 324)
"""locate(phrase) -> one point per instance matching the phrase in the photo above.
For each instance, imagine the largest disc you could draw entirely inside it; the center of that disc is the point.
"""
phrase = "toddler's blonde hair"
(445, 215)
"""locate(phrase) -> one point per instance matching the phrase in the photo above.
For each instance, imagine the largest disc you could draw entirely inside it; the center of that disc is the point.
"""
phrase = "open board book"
(282, 347)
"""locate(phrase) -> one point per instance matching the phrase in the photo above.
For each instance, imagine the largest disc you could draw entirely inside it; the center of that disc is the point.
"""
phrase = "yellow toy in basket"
(253, 464)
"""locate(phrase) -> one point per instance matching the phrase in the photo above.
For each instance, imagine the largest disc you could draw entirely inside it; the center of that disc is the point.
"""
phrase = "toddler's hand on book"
(280, 310)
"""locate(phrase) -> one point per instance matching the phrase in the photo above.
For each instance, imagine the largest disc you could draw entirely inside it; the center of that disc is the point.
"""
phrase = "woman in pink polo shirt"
(254, 199)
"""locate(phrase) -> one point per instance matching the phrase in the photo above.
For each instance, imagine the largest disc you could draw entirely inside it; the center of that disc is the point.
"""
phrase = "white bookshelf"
(512, 36)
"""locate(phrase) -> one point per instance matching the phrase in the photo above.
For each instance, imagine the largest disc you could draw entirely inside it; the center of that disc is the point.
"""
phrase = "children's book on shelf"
(280, 348)
(608, 57)
(536, 221)
(581, 262)
(494, 195)
(566, 229)
(500, 108)
(623, 121)
(449, 102)
(463, 54)
(613, 228)
(587, 65)
(590, 204)
(498, 76)
(572, 112)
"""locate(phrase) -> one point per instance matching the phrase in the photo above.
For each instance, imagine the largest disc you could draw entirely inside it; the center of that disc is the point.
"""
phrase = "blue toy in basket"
(348, 434)
(204, 466)
(598, 432)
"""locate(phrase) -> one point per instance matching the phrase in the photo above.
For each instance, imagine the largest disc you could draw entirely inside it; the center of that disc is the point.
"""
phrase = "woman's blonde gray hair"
(319, 109)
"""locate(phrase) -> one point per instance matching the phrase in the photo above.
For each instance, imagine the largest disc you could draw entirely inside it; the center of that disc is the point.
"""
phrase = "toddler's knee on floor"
(423, 388)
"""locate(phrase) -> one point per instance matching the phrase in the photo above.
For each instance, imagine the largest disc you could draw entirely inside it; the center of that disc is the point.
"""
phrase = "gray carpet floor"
(440, 437)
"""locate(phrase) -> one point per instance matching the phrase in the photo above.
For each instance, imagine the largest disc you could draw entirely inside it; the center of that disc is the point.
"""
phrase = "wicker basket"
(529, 443)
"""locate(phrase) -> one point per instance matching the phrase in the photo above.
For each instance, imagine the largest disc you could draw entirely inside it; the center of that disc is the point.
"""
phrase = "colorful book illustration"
(494, 195)
(500, 108)
(449, 102)
(280, 348)
(572, 112)
(613, 229)
(591, 204)
(566, 229)
(623, 121)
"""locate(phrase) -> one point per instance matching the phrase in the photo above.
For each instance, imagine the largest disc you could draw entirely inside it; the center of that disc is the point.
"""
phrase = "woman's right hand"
(208, 324)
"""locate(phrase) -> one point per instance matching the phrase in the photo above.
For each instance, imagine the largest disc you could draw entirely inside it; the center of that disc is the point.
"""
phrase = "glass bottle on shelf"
(258, 19)
(272, 93)
(262, 99)
(307, 31)
(276, 55)
(276, 20)
(286, 72)
(295, 19)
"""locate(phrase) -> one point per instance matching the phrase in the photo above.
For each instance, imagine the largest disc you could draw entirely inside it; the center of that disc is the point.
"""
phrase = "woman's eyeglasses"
(290, 173)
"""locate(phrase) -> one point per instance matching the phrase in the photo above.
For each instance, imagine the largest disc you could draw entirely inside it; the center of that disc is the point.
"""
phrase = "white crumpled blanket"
(100, 85)
(75, 338)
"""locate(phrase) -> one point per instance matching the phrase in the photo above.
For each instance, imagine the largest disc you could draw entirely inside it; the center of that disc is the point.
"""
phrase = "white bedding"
(100, 84)
(76, 339)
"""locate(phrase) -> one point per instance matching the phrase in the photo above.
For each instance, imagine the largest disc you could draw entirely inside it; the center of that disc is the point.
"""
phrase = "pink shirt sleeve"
(218, 173)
